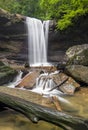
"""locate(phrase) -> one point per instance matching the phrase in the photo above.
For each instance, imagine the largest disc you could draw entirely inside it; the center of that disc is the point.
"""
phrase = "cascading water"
(45, 83)
(38, 45)
(37, 41)
(16, 80)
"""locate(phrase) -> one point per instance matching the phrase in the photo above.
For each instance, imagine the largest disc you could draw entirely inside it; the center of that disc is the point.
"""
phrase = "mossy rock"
(1, 64)
(78, 72)
(77, 55)
(7, 74)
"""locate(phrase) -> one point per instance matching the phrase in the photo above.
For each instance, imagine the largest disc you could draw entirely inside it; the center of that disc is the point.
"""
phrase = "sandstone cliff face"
(7, 74)
(13, 38)
(60, 41)
(13, 42)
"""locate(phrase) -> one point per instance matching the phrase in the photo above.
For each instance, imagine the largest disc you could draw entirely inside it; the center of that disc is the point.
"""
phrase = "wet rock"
(68, 87)
(56, 103)
(78, 55)
(46, 69)
(25, 72)
(7, 74)
(9, 16)
(29, 80)
(78, 72)
(26, 65)
(13, 36)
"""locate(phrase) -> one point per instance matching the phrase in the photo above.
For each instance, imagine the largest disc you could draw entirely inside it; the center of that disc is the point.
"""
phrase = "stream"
(11, 120)
(76, 104)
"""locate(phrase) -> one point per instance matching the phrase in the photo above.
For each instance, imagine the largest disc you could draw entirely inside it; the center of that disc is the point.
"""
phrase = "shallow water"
(11, 120)
(77, 104)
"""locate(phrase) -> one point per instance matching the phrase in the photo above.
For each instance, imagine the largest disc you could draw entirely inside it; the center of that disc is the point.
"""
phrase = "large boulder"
(78, 72)
(67, 87)
(29, 80)
(78, 55)
(7, 74)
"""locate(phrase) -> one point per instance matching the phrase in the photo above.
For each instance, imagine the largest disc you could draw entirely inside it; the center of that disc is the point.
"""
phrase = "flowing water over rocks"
(47, 84)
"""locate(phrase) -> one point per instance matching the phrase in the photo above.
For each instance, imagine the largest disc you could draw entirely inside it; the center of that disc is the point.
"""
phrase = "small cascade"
(44, 83)
(16, 80)
(37, 41)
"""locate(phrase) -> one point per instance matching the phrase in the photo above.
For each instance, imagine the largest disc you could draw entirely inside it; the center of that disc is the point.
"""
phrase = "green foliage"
(65, 12)
(25, 7)
(10, 5)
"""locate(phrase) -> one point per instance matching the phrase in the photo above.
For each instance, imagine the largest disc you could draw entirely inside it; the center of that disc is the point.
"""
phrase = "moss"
(80, 58)
(7, 74)
(1, 63)
(71, 60)
(4, 68)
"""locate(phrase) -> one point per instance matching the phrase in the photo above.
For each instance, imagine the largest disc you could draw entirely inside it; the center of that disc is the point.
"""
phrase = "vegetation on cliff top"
(65, 12)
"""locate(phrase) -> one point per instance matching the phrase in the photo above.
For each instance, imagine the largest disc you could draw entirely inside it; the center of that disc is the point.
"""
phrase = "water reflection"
(78, 104)
(11, 120)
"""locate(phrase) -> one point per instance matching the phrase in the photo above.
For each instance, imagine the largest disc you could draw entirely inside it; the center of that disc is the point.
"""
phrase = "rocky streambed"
(62, 109)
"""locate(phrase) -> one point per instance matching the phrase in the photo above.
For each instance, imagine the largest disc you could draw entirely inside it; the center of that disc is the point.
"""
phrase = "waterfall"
(46, 31)
(37, 41)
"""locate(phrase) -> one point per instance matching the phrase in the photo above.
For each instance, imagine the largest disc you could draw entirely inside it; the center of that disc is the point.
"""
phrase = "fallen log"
(57, 86)
(36, 112)
(56, 102)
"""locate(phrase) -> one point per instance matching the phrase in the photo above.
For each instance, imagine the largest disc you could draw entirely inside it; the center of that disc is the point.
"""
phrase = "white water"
(44, 83)
(16, 80)
(46, 32)
(43, 86)
(37, 41)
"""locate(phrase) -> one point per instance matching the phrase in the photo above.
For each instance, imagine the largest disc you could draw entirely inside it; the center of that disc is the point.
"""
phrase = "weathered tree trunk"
(36, 112)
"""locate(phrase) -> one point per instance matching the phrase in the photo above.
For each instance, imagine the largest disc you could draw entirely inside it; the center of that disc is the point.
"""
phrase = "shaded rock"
(25, 72)
(78, 55)
(60, 41)
(46, 69)
(13, 44)
(7, 74)
(69, 87)
(29, 80)
(78, 72)
(26, 65)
